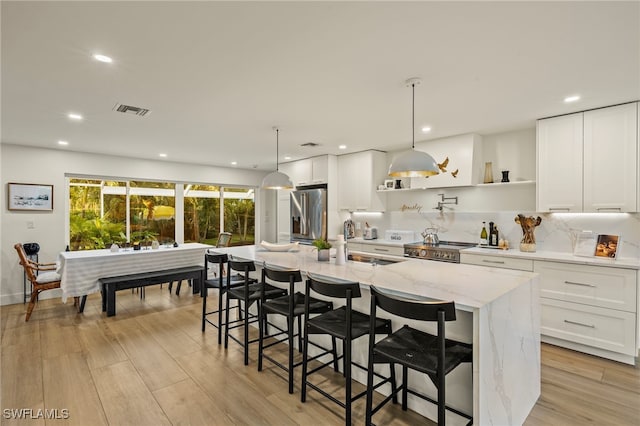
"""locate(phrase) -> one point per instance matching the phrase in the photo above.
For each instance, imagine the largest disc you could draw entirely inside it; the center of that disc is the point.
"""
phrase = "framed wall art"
(30, 196)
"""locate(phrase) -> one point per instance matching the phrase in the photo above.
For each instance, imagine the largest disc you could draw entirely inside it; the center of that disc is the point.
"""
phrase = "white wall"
(48, 166)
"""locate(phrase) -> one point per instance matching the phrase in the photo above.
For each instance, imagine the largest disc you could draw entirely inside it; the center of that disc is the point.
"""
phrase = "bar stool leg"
(204, 293)
(262, 320)
(334, 352)
(305, 350)
(347, 369)
(221, 292)
(405, 386)
(290, 333)
(226, 324)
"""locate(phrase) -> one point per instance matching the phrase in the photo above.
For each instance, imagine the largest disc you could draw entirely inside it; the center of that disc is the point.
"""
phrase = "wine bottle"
(490, 242)
(493, 237)
(483, 235)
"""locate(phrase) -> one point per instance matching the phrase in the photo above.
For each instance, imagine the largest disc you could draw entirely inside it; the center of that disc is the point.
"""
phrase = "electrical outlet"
(30, 224)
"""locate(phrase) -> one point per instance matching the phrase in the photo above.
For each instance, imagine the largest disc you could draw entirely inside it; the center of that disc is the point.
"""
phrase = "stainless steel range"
(445, 251)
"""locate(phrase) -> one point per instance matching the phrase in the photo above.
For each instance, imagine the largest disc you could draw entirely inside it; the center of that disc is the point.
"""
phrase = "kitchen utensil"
(430, 236)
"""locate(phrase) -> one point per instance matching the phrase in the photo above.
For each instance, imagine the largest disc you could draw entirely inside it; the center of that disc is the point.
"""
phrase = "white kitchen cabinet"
(559, 164)
(283, 216)
(359, 175)
(496, 261)
(588, 161)
(382, 249)
(309, 171)
(589, 308)
(611, 159)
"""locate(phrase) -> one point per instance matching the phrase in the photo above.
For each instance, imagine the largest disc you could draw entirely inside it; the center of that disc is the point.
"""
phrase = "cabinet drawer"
(382, 249)
(497, 261)
(589, 325)
(613, 288)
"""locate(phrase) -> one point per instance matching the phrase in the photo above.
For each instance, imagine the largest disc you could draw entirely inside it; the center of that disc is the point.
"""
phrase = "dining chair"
(410, 348)
(42, 276)
(291, 307)
(344, 323)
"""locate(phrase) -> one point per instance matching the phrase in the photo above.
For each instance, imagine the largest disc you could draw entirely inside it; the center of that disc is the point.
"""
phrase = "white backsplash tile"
(555, 233)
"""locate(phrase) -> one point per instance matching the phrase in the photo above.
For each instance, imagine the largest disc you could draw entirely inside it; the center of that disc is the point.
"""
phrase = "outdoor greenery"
(152, 216)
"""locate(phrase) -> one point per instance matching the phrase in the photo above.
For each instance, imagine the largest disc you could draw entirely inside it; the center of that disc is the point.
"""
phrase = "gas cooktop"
(445, 251)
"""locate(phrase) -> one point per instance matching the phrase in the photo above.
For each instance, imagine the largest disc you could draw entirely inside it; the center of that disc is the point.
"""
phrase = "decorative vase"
(488, 172)
(528, 247)
(323, 255)
(505, 176)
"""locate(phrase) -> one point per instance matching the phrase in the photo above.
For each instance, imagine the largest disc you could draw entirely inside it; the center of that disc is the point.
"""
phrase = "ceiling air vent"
(128, 109)
(310, 144)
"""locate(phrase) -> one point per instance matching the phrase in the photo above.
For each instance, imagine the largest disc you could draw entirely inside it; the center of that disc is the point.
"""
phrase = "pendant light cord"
(277, 148)
(413, 115)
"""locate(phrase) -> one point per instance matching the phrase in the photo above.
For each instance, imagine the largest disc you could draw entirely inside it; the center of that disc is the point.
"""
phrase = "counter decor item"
(528, 224)
(505, 176)
(607, 246)
(278, 247)
(155, 245)
(323, 249)
(115, 248)
(488, 172)
(389, 183)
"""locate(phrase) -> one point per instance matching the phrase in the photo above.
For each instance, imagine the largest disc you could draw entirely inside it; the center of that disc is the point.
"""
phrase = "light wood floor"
(151, 365)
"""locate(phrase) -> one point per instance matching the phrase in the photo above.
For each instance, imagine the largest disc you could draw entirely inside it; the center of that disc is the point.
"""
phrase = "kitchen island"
(498, 311)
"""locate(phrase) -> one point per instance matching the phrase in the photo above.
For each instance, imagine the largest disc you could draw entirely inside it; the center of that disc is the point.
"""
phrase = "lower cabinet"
(592, 309)
(377, 248)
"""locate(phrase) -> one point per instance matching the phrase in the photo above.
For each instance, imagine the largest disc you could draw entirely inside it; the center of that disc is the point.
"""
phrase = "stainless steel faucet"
(443, 201)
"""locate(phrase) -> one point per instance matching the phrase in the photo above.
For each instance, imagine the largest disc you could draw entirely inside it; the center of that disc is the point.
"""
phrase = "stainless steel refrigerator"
(308, 217)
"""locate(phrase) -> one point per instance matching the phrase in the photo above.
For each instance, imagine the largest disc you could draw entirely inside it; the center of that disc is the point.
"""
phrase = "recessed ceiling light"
(342, 147)
(233, 163)
(102, 58)
(286, 157)
(426, 129)
(74, 116)
(163, 155)
(63, 143)
(571, 98)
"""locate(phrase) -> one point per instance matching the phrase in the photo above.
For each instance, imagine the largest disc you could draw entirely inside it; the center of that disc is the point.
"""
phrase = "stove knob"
(423, 253)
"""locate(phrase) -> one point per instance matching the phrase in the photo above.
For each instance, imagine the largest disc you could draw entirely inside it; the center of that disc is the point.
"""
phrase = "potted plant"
(323, 247)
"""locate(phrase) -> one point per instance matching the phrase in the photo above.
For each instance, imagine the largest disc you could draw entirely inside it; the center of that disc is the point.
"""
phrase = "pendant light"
(277, 180)
(413, 163)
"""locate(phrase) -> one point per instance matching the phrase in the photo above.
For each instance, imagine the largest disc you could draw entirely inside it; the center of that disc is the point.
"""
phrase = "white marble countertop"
(471, 287)
(627, 263)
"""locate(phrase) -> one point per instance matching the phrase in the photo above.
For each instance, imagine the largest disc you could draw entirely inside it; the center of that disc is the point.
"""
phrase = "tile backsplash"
(556, 232)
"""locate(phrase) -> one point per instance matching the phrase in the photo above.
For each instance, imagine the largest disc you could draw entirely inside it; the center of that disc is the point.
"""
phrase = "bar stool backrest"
(282, 275)
(216, 258)
(242, 265)
(423, 310)
(331, 288)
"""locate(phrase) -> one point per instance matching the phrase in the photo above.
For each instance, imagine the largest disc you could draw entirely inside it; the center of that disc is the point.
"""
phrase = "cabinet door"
(302, 172)
(320, 169)
(611, 159)
(358, 177)
(559, 165)
(283, 213)
(347, 186)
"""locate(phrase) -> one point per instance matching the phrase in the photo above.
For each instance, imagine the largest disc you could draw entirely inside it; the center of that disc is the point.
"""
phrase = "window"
(201, 213)
(103, 212)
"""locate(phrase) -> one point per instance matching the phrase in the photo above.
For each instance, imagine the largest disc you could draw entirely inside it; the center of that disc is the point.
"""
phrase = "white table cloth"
(81, 270)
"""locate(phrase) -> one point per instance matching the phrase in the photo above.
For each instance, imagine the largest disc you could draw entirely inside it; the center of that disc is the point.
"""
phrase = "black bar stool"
(222, 284)
(246, 294)
(413, 349)
(291, 307)
(342, 323)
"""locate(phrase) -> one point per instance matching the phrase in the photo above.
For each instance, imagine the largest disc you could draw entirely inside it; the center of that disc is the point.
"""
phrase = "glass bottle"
(488, 172)
(483, 235)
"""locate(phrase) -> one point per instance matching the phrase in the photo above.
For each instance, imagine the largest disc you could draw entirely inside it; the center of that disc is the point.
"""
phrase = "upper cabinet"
(559, 164)
(611, 159)
(460, 157)
(588, 162)
(310, 171)
(358, 175)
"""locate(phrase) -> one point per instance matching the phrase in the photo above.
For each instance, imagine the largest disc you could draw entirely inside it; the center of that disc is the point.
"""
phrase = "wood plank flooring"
(151, 365)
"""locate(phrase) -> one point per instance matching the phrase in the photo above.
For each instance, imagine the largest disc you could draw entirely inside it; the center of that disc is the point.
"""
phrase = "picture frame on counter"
(389, 183)
(607, 246)
(30, 197)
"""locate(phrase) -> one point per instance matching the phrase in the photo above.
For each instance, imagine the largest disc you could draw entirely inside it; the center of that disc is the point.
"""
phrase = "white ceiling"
(217, 76)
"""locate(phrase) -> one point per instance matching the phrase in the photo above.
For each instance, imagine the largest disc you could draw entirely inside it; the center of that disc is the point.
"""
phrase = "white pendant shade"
(277, 180)
(413, 164)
